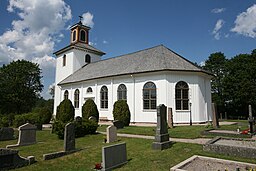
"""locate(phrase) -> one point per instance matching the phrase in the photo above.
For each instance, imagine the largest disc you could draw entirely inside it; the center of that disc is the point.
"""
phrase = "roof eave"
(201, 71)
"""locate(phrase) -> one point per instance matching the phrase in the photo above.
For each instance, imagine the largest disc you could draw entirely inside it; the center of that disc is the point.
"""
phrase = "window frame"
(89, 92)
(64, 60)
(66, 93)
(82, 30)
(87, 58)
(104, 97)
(73, 35)
(76, 98)
(150, 89)
(182, 96)
(122, 92)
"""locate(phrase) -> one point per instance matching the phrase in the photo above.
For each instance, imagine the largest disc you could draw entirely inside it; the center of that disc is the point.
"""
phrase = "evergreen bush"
(121, 112)
(90, 109)
(21, 119)
(65, 111)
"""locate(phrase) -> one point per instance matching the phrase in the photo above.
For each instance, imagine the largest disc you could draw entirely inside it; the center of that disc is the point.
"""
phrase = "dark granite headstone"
(162, 136)
(69, 137)
(9, 159)
(6, 133)
(118, 124)
(215, 119)
(113, 156)
(27, 135)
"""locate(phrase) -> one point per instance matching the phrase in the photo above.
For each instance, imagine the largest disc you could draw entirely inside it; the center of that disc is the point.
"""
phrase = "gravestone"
(69, 137)
(170, 117)
(6, 133)
(93, 118)
(113, 156)
(162, 136)
(69, 144)
(111, 134)
(9, 159)
(251, 120)
(27, 135)
(215, 120)
(118, 124)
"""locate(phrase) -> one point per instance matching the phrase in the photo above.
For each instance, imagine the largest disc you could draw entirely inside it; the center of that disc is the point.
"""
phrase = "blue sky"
(34, 29)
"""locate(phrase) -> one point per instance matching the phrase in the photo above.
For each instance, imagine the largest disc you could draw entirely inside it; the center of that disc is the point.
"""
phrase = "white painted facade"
(165, 81)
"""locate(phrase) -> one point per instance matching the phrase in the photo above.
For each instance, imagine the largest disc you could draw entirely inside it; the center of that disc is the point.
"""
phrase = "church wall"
(165, 83)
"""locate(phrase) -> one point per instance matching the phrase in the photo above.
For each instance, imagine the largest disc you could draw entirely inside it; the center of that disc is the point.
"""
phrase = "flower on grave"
(98, 166)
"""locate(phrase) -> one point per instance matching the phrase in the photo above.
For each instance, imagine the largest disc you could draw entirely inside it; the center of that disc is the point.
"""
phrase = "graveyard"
(141, 154)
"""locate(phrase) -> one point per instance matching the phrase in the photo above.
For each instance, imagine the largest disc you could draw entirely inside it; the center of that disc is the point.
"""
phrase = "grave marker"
(27, 135)
(111, 134)
(113, 156)
(69, 137)
(162, 136)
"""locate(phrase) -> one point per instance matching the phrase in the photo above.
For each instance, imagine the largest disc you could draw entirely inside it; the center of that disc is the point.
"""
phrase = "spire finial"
(80, 18)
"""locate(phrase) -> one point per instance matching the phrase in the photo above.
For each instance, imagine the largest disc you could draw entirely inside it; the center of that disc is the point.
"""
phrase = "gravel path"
(194, 141)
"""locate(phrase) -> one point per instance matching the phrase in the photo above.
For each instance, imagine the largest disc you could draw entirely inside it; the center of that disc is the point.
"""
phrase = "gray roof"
(81, 46)
(158, 58)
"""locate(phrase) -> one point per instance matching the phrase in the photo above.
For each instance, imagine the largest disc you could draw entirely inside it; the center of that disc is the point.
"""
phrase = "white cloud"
(92, 43)
(105, 42)
(218, 10)
(216, 31)
(202, 63)
(245, 23)
(87, 19)
(34, 34)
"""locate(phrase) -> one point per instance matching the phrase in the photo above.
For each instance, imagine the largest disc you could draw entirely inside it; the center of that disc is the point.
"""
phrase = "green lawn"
(140, 155)
(193, 131)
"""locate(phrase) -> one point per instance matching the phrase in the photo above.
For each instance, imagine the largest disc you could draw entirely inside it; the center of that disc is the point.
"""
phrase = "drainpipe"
(133, 98)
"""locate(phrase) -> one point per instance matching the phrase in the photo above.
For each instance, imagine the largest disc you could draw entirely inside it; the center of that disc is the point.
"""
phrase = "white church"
(144, 79)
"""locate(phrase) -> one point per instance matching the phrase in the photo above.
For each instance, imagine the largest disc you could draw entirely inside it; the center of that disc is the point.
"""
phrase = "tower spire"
(80, 17)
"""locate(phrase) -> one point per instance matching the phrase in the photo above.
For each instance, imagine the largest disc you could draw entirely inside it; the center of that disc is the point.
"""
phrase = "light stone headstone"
(170, 117)
(162, 136)
(251, 121)
(113, 156)
(111, 134)
(250, 111)
(69, 137)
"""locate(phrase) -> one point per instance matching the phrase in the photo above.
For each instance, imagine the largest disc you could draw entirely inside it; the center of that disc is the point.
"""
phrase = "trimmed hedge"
(121, 112)
(82, 128)
(21, 119)
(65, 111)
(90, 109)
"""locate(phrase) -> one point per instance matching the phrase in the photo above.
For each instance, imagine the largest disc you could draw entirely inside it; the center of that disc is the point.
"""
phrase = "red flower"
(98, 166)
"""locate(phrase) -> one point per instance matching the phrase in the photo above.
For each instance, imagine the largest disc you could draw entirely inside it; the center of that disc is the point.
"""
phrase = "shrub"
(121, 112)
(45, 115)
(4, 121)
(21, 119)
(65, 111)
(82, 128)
(90, 109)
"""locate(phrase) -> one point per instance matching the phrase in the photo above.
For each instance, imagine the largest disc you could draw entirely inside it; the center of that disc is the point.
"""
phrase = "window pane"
(146, 94)
(178, 94)
(185, 104)
(178, 104)
(153, 104)
(146, 104)
(153, 94)
(185, 94)
(82, 35)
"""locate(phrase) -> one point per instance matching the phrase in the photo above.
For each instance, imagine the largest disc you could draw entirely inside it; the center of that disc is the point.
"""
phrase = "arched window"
(64, 60)
(104, 97)
(82, 35)
(74, 36)
(181, 95)
(121, 92)
(66, 94)
(76, 99)
(149, 96)
(87, 58)
(89, 90)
